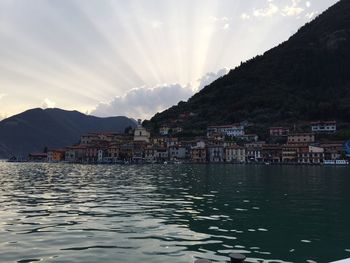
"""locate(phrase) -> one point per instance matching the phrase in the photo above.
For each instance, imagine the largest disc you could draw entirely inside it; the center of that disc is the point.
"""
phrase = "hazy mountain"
(34, 129)
(304, 78)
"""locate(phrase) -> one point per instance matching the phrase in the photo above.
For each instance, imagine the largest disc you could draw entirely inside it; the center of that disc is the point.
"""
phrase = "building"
(75, 154)
(162, 154)
(248, 138)
(159, 141)
(96, 152)
(164, 130)
(37, 157)
(141, 134)
(311, 155)
(278, 131)
(113, 151)
(299, 138)
(216, 137)
(235, 154)
(88, 138)
(126, 151)
(100, 155)
(188, 145)
(91, 153)
(150, 154)
(333, 150)
(198, 153)
(271, 153)
(56, 155)
(324, 126)
(216, 153)
(177, 152)
(164, 141)
(155, 154)
(254, 151)
(177, 130)
(171, 141)
(233, 130)
(290, 152)
(139, 151)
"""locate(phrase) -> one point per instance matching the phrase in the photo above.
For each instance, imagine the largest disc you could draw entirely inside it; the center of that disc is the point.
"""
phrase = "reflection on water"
(73, 213)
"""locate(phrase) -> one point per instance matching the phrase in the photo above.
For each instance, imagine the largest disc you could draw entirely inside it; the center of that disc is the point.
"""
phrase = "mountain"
(305, 78)
(35, 129)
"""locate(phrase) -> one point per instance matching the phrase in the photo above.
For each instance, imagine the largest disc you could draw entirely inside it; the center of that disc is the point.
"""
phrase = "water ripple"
(74, 213)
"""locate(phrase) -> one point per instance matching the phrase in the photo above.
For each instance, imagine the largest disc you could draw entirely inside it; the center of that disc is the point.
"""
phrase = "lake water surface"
(173, 213)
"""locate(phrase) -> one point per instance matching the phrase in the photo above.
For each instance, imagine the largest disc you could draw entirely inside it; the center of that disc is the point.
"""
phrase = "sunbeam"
(80, 54)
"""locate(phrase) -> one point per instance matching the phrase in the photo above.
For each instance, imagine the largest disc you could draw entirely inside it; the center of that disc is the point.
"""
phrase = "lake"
(173, 213)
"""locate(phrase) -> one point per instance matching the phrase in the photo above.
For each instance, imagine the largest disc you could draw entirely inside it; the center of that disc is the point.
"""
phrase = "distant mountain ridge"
(305, 78)
(35, 129)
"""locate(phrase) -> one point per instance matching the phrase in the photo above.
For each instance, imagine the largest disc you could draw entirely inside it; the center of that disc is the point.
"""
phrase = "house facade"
(216, 153)
(141, 134)
(177, 152)
(311, 155)
(254, 151)
(271, 153)
(278, 131)
(164, 130)
(233, 130)
(56, 155)
(235, 154)
(198, 154)
(298, 138)
(290, 152)
(324, 126)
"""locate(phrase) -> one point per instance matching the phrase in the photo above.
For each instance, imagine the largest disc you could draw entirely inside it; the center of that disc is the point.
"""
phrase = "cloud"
(210, 77)
(48, 104)
(144, 102)
(271, 10)
(221, 22)
(311, 15)
(293, 10)
(2, 95)
(245, 16)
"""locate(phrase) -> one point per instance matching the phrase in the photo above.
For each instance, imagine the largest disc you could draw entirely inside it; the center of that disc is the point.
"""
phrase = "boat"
(336, 162)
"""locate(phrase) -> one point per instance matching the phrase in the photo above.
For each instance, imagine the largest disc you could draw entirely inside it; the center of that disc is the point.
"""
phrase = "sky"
(132, 57)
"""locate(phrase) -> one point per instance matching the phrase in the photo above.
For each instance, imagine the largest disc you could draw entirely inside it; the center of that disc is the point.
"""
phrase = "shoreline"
(183, 163)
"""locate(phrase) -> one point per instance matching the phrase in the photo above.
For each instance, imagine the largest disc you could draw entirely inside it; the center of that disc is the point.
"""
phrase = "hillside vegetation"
(305, 78)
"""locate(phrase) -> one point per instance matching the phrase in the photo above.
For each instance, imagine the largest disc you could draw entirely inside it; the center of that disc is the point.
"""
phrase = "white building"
(164, 130)
(100, 155)
(324, 126)
(177, 152)
(235, 154)
(141, 134)
(253, 151)
(311, 155)
(156, 154)
(216, 153)
(233, 130)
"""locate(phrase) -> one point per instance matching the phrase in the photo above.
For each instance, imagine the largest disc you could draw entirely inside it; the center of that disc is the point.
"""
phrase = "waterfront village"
(222, 144)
